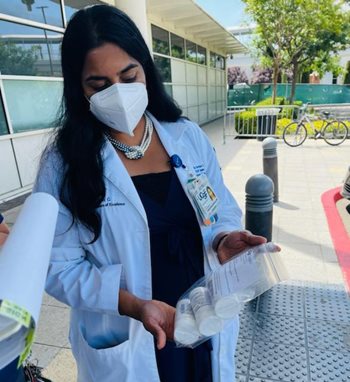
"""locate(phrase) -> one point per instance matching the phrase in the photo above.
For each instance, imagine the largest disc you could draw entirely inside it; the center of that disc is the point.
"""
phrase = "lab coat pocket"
(102, 364)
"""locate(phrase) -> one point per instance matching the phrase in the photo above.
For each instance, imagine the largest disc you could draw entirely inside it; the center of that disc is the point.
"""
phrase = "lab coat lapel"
(173, 144)
(116, 172)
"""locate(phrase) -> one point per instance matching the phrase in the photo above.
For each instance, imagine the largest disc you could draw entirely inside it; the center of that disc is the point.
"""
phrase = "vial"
(186, 330)
(208, 322)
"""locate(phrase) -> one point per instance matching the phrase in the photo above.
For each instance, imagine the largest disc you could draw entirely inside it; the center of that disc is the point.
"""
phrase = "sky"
(227, 12)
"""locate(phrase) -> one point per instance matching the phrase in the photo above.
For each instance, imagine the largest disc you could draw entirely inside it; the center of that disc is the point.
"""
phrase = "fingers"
(252, 239)
(256, 240)
(161, 337)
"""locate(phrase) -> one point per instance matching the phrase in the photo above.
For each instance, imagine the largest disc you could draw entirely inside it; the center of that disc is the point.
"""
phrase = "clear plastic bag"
(203, 310)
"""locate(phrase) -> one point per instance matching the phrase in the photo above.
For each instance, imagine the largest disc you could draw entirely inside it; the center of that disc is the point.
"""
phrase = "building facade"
(188, 46)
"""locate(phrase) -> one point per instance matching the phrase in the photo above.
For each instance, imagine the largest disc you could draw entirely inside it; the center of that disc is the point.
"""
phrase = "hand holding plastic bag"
(202, 311)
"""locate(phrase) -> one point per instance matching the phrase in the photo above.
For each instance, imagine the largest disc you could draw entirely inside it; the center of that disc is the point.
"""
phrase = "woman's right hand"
(158, 318)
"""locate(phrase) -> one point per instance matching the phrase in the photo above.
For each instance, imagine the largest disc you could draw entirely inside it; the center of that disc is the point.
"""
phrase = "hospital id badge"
(204, 198)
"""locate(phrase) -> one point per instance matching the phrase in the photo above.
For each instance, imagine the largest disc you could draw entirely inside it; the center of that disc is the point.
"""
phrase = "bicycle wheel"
(294, 134)
(335, 132)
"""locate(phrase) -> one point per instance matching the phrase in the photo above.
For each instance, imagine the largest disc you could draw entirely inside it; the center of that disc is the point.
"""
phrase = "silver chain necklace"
(135, 152)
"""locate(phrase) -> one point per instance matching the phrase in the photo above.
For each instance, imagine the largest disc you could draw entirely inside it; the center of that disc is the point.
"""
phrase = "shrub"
(268, 101)
(246, 121)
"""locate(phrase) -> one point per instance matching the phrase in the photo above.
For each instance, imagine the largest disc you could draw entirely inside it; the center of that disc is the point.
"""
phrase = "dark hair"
(80, 138)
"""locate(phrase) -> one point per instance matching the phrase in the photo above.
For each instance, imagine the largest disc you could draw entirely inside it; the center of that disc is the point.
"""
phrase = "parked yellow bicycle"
(333, 131)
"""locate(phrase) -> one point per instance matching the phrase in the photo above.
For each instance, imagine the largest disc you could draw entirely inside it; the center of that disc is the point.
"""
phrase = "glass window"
(71, 6)
(169, 89)
(163, 65)
(43, 11)
(29, 51)
(37, 106)
(191, 51)
(212, 60)
(220, 62)
(201, 55)
(177, 46)
(3, 124)
(160, 40)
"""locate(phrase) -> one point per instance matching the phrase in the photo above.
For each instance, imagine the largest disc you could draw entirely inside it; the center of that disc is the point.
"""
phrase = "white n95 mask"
(120, 106)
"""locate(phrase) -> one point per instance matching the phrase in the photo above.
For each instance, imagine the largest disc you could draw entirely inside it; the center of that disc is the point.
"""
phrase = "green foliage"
(178, 51)
(268, 101)
(247, 120)
(300, 34)
(347, 74)
(160, 46)
(163, 65)
(16, 60)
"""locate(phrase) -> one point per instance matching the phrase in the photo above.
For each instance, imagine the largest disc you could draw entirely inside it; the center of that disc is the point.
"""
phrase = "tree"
(293, 34)
(236, 75)
(261, 75)
(16, 60)
(347, 74)
(325, 62)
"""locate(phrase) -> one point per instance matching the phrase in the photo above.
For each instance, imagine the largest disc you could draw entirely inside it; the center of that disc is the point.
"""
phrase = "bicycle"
(333, 131)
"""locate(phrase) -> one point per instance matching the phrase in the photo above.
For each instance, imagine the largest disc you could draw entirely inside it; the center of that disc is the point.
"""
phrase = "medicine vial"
(186, 329)
(208, 322)
(227, 304)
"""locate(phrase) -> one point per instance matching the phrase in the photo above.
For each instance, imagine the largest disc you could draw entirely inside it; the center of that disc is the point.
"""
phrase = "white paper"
(8, 327)
(24, 258)
(12, 346)
(240, 273)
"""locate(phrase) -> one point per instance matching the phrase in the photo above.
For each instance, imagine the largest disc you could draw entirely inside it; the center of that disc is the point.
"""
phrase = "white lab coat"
(109, 347)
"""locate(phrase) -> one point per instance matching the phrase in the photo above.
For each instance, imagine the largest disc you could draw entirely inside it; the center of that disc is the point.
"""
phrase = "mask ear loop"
(87, 98)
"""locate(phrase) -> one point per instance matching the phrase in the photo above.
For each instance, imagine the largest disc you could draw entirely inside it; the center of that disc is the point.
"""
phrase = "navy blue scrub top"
(177, 262)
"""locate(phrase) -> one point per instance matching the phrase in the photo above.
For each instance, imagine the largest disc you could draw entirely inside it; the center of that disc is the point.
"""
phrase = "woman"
(129, 241)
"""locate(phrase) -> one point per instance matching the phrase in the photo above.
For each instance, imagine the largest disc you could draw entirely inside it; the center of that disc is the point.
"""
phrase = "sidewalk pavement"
(299, 330)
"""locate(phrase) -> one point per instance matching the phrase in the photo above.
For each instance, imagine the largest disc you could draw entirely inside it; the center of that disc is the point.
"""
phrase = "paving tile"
(329, 254)
(334, 273)
(51, 301)
(328, 335)
(53, 326)
(247, 324)
(283, 299)
(278, 362)
(329, 366)
(243, 355)
(62, 368)
(327, 302)
(241, 378)
(253, 379)
(280, 329)
(42, 355)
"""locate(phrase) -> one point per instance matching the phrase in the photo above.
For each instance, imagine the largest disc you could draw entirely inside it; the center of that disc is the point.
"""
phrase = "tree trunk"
(275, 78)
(294, 81)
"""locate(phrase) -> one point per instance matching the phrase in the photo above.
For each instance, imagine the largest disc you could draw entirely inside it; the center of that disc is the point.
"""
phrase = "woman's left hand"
(236, 242)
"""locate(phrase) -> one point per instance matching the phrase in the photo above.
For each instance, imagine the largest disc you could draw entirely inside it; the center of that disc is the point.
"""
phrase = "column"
(136, 10)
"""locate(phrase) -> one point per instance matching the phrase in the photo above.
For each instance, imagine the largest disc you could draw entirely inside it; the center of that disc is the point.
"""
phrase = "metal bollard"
(270, 163)
(259, 204)
(345, 190)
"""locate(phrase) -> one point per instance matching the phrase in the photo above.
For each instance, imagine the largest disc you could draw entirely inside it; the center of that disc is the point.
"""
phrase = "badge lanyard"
(201, 192)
